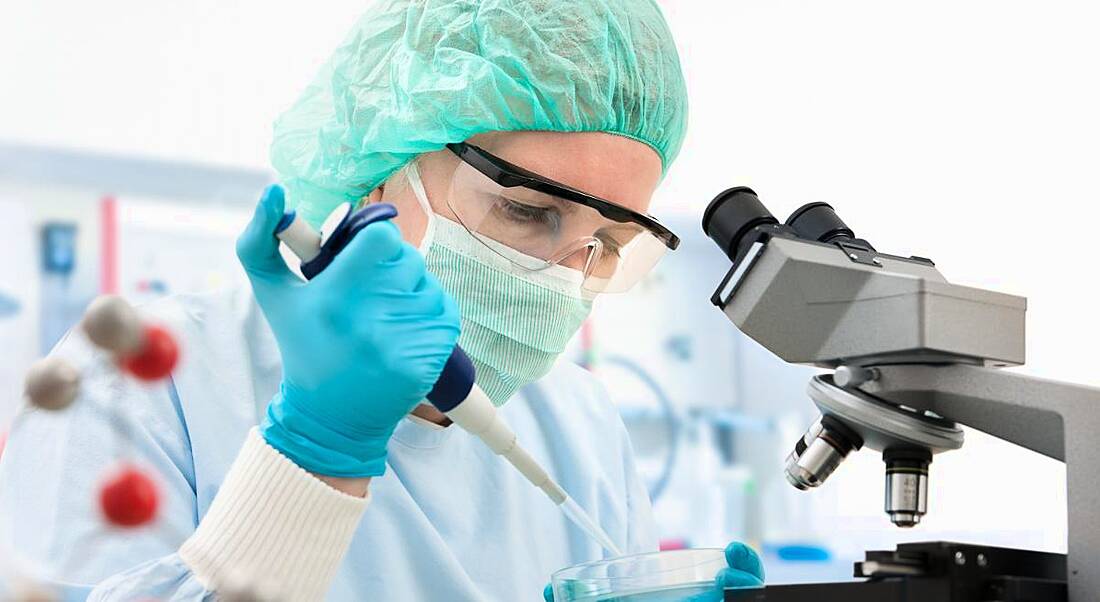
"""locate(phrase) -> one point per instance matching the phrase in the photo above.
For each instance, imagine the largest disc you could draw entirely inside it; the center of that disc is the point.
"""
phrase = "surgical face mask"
(515, 322)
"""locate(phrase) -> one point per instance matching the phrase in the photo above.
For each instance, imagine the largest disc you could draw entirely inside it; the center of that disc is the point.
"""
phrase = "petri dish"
(673, 575)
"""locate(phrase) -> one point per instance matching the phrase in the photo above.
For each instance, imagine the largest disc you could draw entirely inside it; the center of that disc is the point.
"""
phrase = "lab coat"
(448, 520)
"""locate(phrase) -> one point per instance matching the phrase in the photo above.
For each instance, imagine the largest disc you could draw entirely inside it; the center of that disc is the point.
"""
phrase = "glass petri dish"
(673, 575)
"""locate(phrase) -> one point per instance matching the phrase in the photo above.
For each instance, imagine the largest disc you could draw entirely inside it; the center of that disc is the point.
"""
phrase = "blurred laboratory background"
(133, 144)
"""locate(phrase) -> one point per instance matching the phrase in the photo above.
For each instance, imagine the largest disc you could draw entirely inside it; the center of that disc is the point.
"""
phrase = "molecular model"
(128, 497)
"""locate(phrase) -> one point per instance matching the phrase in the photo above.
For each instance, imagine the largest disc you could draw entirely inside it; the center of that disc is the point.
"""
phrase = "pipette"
(456, 394)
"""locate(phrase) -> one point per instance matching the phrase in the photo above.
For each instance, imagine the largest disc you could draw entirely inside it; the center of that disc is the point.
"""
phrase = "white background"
(964, 131)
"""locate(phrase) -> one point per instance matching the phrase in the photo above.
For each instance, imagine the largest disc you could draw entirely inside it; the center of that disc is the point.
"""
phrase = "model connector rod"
(455, 393)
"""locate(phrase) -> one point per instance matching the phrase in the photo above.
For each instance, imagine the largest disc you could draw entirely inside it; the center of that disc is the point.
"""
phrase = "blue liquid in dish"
(698, 592)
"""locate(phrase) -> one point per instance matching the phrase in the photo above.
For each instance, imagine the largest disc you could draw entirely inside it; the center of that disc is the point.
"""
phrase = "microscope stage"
(934, 572)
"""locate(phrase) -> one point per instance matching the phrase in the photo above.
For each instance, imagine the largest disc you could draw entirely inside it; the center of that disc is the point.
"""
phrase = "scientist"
(521, 141)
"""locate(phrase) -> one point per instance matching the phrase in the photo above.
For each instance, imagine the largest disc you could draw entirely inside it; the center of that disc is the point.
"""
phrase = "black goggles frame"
(510, 175)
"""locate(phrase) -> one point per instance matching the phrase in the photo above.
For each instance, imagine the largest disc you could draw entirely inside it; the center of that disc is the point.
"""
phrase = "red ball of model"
(157, 356)
(129, 498)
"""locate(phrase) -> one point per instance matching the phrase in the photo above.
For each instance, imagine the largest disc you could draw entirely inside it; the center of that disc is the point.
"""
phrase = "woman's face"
(608, 166)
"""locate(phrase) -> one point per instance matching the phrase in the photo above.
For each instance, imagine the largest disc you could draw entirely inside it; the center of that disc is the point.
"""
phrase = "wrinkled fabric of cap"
(415, 75)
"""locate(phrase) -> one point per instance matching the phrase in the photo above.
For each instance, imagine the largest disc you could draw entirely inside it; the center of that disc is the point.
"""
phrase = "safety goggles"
(550, 223)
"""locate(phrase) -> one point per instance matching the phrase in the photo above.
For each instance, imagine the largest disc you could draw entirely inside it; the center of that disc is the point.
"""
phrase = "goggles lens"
(550, 230)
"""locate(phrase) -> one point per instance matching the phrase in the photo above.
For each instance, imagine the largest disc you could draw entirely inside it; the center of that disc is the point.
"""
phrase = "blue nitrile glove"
(362, 343)
(745, 567)
(745, 570)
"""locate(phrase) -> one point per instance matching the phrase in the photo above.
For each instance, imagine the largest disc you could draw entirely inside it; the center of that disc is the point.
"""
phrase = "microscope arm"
(1025, 410)
(1059, 420)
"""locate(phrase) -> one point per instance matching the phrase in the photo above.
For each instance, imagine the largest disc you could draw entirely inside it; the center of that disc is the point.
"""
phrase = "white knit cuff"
(273, 529)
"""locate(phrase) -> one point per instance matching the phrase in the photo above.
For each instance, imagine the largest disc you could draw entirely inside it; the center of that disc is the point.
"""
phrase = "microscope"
(912, 357)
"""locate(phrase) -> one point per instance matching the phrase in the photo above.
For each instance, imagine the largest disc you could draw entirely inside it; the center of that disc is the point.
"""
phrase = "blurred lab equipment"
(141, 227)
(19, 305)
(668, 414)
(61, 304)
(911, 353)
(9, 306)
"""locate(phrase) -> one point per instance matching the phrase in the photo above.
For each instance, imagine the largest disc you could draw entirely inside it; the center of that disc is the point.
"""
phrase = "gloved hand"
(362, 343)
(744, 570)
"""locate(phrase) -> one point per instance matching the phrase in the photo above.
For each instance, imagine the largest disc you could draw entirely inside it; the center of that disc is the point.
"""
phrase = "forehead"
(608, 166)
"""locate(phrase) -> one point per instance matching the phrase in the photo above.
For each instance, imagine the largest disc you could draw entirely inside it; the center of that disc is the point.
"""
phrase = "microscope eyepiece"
(733, 214)
(737, 212)
(819, 221)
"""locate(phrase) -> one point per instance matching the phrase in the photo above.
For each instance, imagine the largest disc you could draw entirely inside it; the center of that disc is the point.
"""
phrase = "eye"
(611, 246)
(617, 238)
(523, 213)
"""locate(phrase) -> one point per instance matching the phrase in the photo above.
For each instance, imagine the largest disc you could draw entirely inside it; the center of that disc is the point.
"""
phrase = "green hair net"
(415, 75)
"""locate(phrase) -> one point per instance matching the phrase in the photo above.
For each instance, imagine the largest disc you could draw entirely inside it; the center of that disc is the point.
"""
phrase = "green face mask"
(515, 322)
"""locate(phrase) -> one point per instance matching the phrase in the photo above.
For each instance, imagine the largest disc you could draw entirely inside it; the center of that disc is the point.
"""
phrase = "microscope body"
(913, 355)
(821, 304)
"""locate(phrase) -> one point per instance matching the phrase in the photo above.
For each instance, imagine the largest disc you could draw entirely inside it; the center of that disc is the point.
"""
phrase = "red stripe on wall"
(108, 237)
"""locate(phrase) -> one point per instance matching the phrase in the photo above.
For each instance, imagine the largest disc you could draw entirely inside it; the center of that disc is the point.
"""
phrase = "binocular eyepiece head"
(736, 213)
